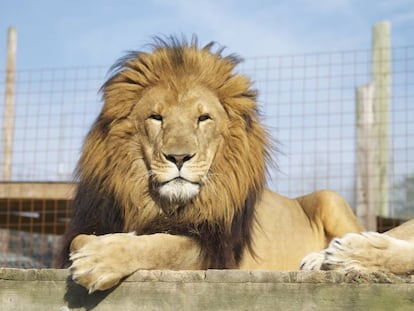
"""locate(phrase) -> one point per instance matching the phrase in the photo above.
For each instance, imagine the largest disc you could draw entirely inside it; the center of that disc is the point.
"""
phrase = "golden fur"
(392, 251)
(177, 156)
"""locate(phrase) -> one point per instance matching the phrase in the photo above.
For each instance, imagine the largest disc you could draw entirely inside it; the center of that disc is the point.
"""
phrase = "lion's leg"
(100, 262)
(403, 232)
(370, 251)
(333, 218)
(331, 213)
(391, 252)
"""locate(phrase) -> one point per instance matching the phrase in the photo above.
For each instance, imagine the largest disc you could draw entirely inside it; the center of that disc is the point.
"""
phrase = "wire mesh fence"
(308, 105)
(54, 108)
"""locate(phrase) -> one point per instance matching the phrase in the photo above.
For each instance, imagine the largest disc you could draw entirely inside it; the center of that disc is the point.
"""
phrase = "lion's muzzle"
(179, 190)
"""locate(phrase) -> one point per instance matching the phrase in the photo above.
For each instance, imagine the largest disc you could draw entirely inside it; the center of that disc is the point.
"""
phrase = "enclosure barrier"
(48, 289)
(331, 114)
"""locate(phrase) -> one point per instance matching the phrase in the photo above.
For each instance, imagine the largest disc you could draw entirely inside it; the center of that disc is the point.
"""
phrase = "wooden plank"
(37, 190)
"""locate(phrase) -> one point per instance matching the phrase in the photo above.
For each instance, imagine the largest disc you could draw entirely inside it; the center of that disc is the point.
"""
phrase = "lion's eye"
(203, 117)
(156, 117)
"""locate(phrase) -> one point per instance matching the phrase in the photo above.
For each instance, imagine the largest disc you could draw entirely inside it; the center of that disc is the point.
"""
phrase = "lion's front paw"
(313, 261)
(361, 252)
(100, 262)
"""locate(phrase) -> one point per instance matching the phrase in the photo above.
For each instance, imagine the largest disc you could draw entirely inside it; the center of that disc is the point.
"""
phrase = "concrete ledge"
(48, 289)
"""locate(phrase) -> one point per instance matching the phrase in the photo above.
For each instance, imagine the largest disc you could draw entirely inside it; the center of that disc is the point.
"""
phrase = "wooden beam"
(9, 103)
(365, 155)
(37, 190)
(381, 75)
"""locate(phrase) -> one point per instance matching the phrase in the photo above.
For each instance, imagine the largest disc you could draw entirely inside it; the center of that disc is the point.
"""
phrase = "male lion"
(177, 156)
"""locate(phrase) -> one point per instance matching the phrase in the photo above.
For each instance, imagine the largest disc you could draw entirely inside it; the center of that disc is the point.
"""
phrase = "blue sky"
(77, 33)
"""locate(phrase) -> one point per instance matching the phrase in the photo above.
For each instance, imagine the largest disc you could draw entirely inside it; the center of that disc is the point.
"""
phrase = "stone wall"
(48, 289)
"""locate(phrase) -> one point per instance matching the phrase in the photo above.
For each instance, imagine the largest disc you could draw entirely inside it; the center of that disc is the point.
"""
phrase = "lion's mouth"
(179, 189)
(178, 181)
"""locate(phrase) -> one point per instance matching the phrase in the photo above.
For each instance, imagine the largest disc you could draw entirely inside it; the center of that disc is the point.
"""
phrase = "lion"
(172, 176)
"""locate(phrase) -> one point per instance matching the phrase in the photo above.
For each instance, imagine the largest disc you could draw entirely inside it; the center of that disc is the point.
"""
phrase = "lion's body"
(289, 229)
(178, 156)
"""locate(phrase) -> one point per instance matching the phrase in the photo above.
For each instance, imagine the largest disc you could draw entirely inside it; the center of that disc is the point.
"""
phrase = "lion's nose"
(178, 159)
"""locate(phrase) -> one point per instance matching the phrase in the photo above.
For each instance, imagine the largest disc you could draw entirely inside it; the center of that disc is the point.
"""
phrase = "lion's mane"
(113, 194)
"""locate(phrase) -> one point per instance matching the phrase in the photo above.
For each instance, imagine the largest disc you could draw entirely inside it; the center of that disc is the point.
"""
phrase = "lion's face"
(181, 132)
(178, 141)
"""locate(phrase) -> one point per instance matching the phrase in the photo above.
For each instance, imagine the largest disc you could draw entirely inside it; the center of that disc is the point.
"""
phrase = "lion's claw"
(313, 261)
(94, 279)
